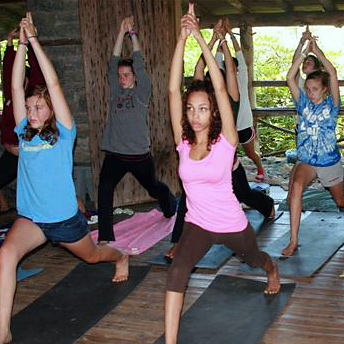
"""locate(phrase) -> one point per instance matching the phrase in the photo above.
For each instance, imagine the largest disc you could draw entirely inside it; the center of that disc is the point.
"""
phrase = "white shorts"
(330, 175)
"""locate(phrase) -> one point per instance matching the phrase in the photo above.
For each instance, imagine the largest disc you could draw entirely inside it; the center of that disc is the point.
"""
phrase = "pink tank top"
(210, 200)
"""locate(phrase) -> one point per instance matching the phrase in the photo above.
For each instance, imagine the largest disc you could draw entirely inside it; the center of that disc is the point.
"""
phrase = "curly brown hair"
(215, 120)
(49, 131)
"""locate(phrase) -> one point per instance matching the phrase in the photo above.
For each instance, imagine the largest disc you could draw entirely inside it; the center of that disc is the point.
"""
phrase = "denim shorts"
(68, 231)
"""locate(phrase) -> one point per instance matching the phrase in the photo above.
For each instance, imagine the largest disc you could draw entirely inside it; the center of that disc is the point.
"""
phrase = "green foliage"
(271, 139)
(2, 51)
(193, 52)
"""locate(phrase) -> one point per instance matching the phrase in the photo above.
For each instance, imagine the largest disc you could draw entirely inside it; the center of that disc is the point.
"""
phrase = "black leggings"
(8, 168)
(195, 242)
(255, 199)
(113, 170)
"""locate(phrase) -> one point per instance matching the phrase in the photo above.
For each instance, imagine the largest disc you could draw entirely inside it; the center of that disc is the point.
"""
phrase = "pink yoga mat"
(140, 232)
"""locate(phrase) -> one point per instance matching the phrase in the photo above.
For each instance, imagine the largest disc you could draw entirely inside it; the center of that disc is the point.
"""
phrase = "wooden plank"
(314, 314)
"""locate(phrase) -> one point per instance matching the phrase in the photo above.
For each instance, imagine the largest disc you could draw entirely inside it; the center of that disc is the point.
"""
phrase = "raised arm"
(228, 125)
(174, 85)
(227, 28)
(58, 100)
(18, 76)
(330, 69)
(133, 34)
(124, 28)
(305, 36)
(200, 65)
(293, 71)
(231, 71)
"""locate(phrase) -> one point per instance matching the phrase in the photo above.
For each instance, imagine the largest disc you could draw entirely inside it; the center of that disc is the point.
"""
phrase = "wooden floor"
(314, 314)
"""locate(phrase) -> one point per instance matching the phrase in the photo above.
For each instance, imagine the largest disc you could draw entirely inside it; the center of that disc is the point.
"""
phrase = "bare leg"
(23, 237)
(337, 193)
(302, 176)
(253, 155)
(173, 309)
(274, 284)
(291, 178)
(3, 202)
(87, 250)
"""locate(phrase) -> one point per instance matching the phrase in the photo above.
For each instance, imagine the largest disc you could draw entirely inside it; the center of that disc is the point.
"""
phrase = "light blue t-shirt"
(45, 188)
(316, 135)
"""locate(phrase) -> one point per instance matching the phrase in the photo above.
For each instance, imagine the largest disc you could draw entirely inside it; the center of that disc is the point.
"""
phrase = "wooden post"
(246, 42)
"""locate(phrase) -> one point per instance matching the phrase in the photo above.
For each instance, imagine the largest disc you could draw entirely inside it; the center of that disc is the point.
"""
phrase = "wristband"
(22, 43)
(132, 32)
(223, 41)
(35, 36)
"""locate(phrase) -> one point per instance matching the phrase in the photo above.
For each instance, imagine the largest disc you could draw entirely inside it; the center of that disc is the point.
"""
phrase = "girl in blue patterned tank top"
(317, 148)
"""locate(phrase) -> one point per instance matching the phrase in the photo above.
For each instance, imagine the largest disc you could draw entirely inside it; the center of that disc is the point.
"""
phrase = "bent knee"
(9, 255)
(93, 257)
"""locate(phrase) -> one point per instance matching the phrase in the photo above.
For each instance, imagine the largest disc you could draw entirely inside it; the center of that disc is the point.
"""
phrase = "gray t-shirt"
(126, 130)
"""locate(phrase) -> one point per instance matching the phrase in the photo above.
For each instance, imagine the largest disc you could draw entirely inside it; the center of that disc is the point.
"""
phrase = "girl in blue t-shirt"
(46, 199)
(317, 149)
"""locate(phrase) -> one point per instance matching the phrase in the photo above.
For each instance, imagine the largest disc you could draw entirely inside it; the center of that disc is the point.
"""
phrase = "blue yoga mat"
(320, 236)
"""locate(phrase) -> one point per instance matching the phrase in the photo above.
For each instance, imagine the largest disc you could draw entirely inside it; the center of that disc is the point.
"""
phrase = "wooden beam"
(11, 1)
(328, 5)
(278, 19)
(279, 112)
(60, 42)
(287, 7)
(278, 83)
(199, 8)
(177, 13)
(242, 8)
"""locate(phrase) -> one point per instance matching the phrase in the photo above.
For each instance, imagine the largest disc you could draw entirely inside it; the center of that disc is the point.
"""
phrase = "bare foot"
(169, 254)
(273, 213)
(290, 249)
(8, 338)
(122, 269)
(274, 284)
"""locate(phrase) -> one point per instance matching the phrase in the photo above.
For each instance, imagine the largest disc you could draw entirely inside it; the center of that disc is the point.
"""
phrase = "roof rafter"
(328, 5)
(287, 7)
(239, 6)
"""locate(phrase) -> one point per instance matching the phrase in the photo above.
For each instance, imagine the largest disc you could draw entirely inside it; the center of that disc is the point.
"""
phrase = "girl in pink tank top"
(206, 139)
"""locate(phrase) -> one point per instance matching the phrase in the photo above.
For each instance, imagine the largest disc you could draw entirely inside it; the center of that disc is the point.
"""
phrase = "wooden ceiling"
(269, 13)
(11, 12)
(239, 12)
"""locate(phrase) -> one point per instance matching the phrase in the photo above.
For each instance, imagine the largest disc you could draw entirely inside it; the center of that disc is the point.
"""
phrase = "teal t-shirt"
(45, 188)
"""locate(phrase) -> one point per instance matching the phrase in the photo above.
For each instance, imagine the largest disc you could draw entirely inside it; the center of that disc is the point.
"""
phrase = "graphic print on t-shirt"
(125, 103)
